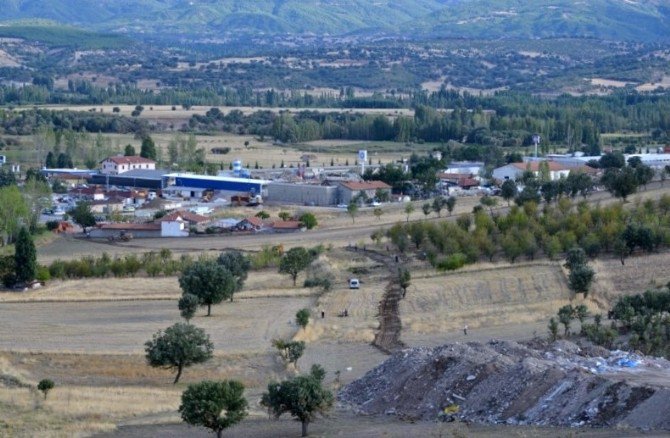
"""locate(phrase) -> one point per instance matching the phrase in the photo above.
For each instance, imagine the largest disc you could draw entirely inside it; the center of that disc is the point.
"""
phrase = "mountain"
(637, 20)
(647, 20)
(221, 16)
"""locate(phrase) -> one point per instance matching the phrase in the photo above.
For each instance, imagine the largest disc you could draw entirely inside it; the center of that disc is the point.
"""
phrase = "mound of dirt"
(506, 382)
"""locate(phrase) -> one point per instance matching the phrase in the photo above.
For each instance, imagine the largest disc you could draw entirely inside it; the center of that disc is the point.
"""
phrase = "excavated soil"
(510, 383)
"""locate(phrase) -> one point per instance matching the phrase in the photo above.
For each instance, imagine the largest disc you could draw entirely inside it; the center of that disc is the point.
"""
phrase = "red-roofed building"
(186, 216)
(121, 164)
(350, 190)
(251, 223)
(287, 226)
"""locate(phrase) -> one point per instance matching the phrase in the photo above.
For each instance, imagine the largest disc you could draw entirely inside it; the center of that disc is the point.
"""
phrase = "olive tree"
(304, 397)
(178, 347)
(302, 317)
(188, 304)
(294, 261)
(238, 265)
(45, 385)
(209, 281)
(203, 404)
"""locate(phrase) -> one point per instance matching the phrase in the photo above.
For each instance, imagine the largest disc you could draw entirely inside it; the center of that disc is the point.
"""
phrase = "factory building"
(303, 194)
(196, 185)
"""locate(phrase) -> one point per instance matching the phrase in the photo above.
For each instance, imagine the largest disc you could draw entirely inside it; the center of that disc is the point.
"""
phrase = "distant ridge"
(488, 19)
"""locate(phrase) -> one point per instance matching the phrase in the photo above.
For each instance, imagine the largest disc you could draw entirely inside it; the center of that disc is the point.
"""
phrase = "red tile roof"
(366, 185)
(287, 225)
(184, 215)
(131, 227)
(120, 159)
(255, 221)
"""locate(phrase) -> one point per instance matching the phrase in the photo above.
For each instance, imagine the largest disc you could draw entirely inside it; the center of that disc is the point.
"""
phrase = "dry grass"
(484, 297)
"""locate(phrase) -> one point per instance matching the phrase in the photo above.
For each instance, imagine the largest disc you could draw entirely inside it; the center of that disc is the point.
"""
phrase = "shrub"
(52, 225)
(42, 274)
(452, 262)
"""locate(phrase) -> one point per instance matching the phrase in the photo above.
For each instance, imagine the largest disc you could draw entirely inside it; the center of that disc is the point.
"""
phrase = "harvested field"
(508, 294)
(123, 327)
(641, 272)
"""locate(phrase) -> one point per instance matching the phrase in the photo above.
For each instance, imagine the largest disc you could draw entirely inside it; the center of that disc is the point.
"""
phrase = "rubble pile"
(510, 383)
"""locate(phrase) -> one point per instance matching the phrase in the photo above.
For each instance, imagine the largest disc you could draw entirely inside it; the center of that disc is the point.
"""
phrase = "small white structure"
(465, 168)
(176, 228)
(121, 164)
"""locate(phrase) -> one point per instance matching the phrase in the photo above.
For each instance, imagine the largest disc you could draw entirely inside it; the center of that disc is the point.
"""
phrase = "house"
(251, 224)
(120, 164)
(514, 171)
(174, 228)
(463, 181)
(350, 190)
(287, 226)
(106, 206)
(190, 219)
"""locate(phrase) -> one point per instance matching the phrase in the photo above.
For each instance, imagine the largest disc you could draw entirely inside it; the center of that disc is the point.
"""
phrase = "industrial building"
(302, 194)
(145, 179)
(191, 185)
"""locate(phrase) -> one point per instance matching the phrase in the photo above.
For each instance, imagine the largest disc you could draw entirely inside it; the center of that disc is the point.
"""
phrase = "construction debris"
(510, 383)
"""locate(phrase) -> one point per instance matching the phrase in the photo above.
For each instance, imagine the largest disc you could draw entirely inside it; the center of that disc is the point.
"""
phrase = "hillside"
(603, 19)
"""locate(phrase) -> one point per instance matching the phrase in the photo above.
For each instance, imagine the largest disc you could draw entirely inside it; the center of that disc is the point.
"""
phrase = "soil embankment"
(510, 383)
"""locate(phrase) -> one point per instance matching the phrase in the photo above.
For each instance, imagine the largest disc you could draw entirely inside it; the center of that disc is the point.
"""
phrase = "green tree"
(308, 220)
(508, 190)
(188, 304)
(290, 351)
(581, 313)
(580, 279)
(304, 397)
(451, 204)
(45, 385)
(565, 316)
(553, 329)
(352, 209)
(178, 347)
(82, 215)
(238, 265)
(488, 201)
(621, 183)
(209, 281)
(148, 148)
(302, 317)
(378, 212)
(426, 209)
(409, 209)
(284, 215)
(203, 404)
(405, 280)
(575, 257)
(25, 257)
(37, 196)
(294, 261)
(13, 212)
(129, 151)
(263, 215)
(438, 204)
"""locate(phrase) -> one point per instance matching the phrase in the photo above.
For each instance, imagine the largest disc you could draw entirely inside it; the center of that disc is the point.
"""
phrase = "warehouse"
(302, 194)
(145, 179)
(201, 183)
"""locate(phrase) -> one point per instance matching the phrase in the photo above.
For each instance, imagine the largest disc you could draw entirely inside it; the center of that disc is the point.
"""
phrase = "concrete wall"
(173, 229)
(303, 194)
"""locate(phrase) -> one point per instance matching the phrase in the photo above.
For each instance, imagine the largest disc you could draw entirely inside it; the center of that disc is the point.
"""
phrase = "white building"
(514, 171)
(174, 228)
(121, 164)
(465, 168)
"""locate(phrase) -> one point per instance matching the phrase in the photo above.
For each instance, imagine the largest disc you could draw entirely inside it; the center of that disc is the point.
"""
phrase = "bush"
(452, 262)
(52, 225)
(42, 274)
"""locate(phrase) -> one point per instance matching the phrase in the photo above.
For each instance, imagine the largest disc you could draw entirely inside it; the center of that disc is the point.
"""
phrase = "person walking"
(465, 329)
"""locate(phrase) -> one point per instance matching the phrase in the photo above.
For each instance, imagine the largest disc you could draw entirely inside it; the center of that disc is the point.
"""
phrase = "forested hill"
(647, 20)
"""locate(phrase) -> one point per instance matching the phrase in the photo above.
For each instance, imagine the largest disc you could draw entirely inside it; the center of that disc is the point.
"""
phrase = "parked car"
(128, 208)
(354, 283)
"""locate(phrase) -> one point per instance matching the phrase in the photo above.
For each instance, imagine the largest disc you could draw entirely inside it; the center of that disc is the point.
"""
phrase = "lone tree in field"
(451, 204)
(290, 351)
(203, 404)
(294, 261)
(302, 317)
(209, 281)
(45, 386)
(178, 347)
(352, 209)
(409, 209)
(304, 397)
(25, 257)
(82, 215)
(188, 305)
(238, 265)
(405, 279)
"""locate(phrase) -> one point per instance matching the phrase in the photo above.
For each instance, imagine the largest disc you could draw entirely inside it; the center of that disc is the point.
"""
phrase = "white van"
(354, 283)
